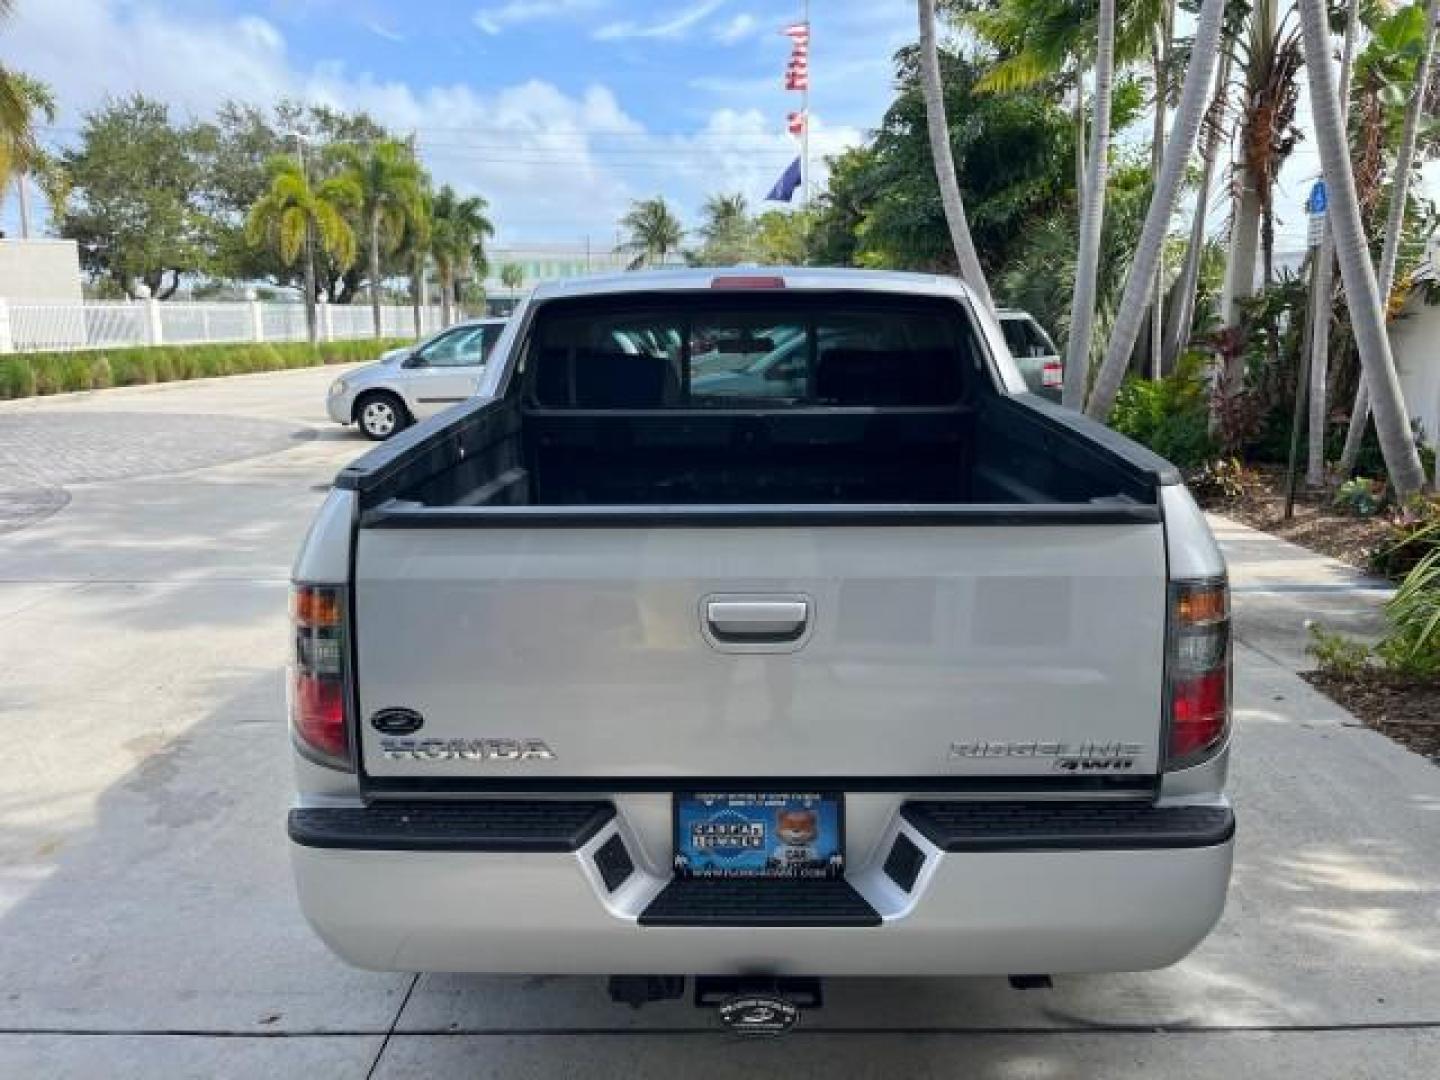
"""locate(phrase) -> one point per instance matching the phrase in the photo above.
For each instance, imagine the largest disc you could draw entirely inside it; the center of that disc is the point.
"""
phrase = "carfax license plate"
(759, 834)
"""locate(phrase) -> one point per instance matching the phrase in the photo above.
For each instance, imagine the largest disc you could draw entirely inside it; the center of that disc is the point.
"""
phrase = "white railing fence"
(98, 324)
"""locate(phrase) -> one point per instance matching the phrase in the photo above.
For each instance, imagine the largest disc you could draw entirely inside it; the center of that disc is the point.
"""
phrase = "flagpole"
(805, 115)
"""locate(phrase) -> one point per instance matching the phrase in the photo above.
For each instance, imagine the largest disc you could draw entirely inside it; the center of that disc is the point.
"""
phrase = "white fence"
(38, 327)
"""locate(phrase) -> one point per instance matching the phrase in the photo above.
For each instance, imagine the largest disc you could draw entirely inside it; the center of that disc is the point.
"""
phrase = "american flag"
(797, 71)
(795, 122)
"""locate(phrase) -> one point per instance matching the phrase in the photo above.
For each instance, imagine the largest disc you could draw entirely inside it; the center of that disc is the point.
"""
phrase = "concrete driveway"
(147, 926)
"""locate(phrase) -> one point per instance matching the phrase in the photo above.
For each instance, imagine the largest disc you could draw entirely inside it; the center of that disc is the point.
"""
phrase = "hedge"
(39, 373)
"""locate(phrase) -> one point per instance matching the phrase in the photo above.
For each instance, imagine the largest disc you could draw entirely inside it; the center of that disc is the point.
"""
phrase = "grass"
(36, 374)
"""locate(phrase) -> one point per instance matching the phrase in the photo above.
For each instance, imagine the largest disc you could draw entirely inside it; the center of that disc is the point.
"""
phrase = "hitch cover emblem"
(759, 1014)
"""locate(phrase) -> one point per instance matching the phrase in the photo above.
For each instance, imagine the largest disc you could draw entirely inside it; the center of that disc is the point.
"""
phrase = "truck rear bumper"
(970, 894)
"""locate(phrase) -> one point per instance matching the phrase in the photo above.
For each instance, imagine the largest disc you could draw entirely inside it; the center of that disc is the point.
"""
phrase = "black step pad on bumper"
(1066, 826)
(759, 902)
(497, 825)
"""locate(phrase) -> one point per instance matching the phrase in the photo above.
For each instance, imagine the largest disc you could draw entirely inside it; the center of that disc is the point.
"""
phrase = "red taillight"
(319, 668)
(1199, 672)
(1052, 375)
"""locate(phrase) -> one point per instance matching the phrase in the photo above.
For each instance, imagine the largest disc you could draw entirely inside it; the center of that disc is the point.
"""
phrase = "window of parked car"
(462, 347)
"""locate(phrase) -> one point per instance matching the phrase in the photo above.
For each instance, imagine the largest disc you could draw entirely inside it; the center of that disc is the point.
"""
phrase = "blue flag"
(786, 185)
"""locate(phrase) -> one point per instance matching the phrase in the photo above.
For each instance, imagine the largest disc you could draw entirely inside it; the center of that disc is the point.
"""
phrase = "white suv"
(412, 383)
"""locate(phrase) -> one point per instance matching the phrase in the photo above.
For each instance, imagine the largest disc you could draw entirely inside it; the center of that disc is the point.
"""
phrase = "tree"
(1322, 289)
(512, 275)
(415, 250)
(1203, 58)
(652, 232)
(943, 158)
(727, 232)
(391, 184)
(783, 238)
(1092, 217)
(1394, 225)
(460, 229)
(135, 209)
(1367, 317)
(20, 154)
(1271, 55)
(295, 217)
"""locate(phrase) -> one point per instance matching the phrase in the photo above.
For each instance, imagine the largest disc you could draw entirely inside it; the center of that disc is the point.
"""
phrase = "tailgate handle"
(757, 621)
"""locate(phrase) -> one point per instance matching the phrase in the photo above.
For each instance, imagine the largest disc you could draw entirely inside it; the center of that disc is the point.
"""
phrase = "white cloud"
(554, 164)
(676, 26)
(737, 29)
(496, 19)
(380, 30)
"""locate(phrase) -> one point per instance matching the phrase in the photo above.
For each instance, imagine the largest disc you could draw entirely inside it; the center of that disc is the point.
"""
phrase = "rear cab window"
(688, 351)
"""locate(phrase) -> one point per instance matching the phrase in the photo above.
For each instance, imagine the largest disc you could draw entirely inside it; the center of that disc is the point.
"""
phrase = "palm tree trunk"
(1394, 225)
(375, 270)
(1182, 313)
(1160, 56)
(1367, 313)
(1080, 171)
(22, 186)
(446, 291)
(939, 130)
(417, 295)
(1322, 295)
(1203, 58)
(1092, 218)
(312, 320)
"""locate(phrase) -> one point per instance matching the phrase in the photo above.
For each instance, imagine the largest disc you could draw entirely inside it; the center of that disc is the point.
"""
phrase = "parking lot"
(147, 923)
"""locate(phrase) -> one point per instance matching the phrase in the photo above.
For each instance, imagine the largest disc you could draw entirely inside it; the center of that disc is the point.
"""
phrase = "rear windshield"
(686, 352)
(1025, 339)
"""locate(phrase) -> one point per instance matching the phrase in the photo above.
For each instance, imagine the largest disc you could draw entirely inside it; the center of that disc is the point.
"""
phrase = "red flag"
(795, 123)
(798, 32)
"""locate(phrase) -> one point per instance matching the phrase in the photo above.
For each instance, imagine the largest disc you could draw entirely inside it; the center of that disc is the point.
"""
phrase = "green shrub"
(1414, 533)
(32, 374)
(1412, 645)
(1338, 655)
(1360, 497)
(1171, 416)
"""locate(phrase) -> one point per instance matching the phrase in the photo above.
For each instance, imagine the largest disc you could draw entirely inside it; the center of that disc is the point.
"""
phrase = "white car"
(1035, 354)
(414, 382)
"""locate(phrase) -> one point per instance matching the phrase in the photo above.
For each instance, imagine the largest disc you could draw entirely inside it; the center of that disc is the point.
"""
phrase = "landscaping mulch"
(1406, 710)
(1316, 525)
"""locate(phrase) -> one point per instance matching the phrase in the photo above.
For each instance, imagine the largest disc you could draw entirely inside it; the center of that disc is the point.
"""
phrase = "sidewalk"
(1279, 588)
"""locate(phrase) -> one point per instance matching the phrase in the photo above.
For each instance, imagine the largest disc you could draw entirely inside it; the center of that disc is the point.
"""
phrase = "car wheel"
(380, 415)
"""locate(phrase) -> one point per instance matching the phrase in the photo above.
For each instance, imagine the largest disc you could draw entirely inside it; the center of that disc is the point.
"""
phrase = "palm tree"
(1394, 225)
(652, 232)
(460, 230)
(419, 235)
(1092, 218)
(1203, 58)
(1322, 288)
(391, 183)
(294, 215)
(512, 275)
(728, 232)
(1182, 313)
(944, 160)
(1272, 59)
(20, 156)
(1367, 315)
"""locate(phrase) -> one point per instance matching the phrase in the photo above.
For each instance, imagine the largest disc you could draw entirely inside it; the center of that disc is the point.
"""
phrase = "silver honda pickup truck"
(759, 626)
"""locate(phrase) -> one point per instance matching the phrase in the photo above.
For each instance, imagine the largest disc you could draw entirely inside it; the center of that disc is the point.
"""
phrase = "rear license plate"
(759, 834)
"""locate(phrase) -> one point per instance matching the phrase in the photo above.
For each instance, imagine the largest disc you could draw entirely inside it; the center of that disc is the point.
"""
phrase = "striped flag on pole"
(798, 33)
(795, 123)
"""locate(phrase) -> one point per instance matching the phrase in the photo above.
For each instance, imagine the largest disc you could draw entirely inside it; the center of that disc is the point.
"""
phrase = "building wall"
(40, 270)
(1415, 341)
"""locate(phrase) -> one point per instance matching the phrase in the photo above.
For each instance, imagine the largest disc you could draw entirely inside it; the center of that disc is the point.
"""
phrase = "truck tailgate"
(669, 654)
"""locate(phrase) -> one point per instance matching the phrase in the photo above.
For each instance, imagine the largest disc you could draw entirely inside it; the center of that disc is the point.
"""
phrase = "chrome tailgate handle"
(756, 621)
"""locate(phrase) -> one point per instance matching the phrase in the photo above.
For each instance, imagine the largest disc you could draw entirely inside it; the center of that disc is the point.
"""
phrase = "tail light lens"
(1198, 693)
(319, 686)
(1052, 375)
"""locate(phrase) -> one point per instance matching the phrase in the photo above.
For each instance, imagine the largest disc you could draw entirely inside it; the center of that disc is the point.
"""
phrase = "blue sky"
(558, 111)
